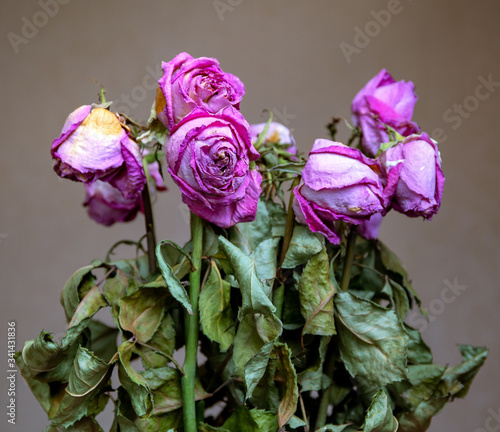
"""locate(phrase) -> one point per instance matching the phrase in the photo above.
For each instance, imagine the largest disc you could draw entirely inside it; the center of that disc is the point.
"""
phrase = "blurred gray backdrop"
(304, 60)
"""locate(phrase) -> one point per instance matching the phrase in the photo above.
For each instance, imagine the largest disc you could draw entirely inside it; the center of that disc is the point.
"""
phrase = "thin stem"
(355, 134)
(349, 258)
(304, 414)
(290, 219)
(102, 95)
(188, 397)
(150, 228)
(325, 397)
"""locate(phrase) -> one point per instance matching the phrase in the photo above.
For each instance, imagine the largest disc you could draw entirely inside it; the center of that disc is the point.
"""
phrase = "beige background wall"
(288, 54)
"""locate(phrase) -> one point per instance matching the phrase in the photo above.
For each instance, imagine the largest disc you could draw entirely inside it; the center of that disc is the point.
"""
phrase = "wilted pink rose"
(412, 171)
(94, 146)
(277, 133)
(391, 103)
(339, 184)
(189, 82)
(106, 204)
(209, 159)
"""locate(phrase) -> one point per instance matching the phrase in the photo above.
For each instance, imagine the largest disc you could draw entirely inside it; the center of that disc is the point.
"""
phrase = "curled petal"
(106, 204)
(414, 177)
(188, 83)
(383, 101)
(339, 183)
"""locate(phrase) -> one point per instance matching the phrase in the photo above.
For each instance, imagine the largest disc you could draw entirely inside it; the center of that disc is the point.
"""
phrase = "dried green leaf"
(433, 386)
(398, 297)
(124, 413)
(113, 289)
(286, 380)
(165, 386)
(210, 241)
(203, 427)
(215, 309)
(161, 346)
(372, 340)
(103, 340)
(303, 245)
(75, 288)
(254, 297)
(246, 420)
(392, 263)
(472, 360)
(86, 424)
(133, 382)
(87, 308)
(379, 416)
(313, 377)
(420, 419)
(88, 376)
(338, 428)
(43, 354)
(254, 332)
(48, 395)
(174, 286)
(316, 296)
(418, 351)
(256, 367)
(265, 258)
(269, 222)
(155, 423)
(265, 420)
(142, 312)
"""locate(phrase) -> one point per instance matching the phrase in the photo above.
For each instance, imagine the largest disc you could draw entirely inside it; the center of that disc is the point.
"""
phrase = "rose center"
(222, 160)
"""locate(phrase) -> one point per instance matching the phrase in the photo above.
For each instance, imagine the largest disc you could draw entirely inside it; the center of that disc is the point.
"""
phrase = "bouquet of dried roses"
(283, 312)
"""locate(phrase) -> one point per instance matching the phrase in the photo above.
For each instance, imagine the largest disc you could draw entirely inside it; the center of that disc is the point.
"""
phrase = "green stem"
(188, 397)
(290, 222)
(325, 397)
(102, 95)
(150, 228)
(349, 258)
(355, 134)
